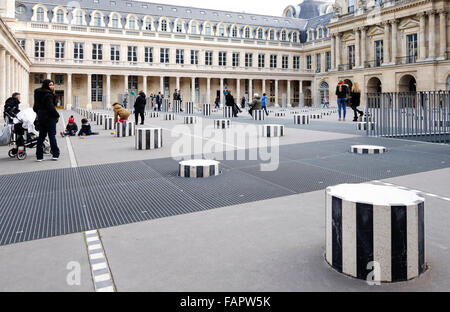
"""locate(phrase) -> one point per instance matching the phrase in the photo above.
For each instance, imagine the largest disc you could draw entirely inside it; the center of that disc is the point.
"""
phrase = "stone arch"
(407, 83)
(374, 85)
(324, 91)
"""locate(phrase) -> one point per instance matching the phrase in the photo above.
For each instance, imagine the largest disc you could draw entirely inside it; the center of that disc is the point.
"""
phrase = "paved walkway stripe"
(412, 190)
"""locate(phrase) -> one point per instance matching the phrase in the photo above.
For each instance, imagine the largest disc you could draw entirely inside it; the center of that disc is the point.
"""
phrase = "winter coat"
(256, 103)
(356, 99)
(343, 93)
(121, 112)
(229, 100)
(264, 101)
(139, 105)
(45, 106)
(12, 107)
(72, 127)
(85, 130)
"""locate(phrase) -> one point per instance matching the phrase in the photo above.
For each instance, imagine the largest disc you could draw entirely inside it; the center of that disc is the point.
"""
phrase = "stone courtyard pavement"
(107, 217)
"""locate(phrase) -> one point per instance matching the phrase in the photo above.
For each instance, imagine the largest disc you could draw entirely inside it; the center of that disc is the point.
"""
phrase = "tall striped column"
(176, 107)
(258, 115)
(190, 120)
(123, 130)
(375, 233)
(165, 105)
(109, 123)
(222, 123)
(206, 109)
(189, 108)
(227, 112)
(169, 117)
(149, 138)
(272, 131)
(301, 119)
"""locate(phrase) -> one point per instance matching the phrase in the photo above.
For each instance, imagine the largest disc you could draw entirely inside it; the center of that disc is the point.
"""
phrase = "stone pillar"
(432, 38)
(13, 75)
(338, 51)
(178, 83)
(386, 40)
(49, 76)
(161, 84)
(276, 93)
(69, 92)
(357, 48)
(238, 90)
(89, 92)
(394, 51)
(301, 95)
(250, 90)
(333, 52)
(125, 83)
(288, 100)
(208, 91)
(8, 75)
(443, 34)
(108, 91)
(264, 86)
(192, 89)
(363, 46)
(422, 49)
(3, 92)
(144, 84)
(221, 92)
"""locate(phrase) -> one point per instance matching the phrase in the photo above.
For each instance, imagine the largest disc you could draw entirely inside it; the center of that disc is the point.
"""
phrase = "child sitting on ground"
(86, 128)
(71, 128)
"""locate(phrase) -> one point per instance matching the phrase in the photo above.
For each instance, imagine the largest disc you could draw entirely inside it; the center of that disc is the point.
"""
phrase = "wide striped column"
(222, 123)
(165, 105)
(362, 126)
(228, 112)
(125, 131)
(149, 138)
(198, 168)
(176, 107)
(315, 116)
(280, 114)
(368, 149)
(375, 230)
(272, 131)
(169, 117)
(190, 120)
(206, 109)
(101, 119)
(189, 108)
(109, 123)
(152, 114)
(301, 119)
(258, 115)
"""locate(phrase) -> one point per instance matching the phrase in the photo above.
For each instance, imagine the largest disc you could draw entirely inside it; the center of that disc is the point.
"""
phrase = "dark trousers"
(356, 111)
(137, 117)
(265, 109)
(159, 106)
(48, 128)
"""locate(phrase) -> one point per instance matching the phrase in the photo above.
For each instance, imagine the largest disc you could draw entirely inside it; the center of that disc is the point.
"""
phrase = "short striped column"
(315, 116)
(190, 120)
(101, 119)
(189, 108)
(326, 113)
(365, 118)
(258, 115)
(272, 131)
(206, 109)
(363, 126)
(169, 117)
(280, 114)
(222, 123)
(125, 131)
(176, 107)
(152, 114)
(301, 119)
(294, 112)
(227, 112)
(375, 233)
(368, 149)
(149, 138)
(109, 123)
(165, 105)
(198, 168)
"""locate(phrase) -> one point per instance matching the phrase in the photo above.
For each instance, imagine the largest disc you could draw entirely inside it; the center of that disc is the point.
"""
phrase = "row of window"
(97, 55)
(163, 26)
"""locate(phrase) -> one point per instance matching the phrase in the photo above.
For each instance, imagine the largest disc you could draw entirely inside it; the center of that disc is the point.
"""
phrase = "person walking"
(243, 102)
(341, 92)
(217, 102)
(11, 107)
(255, 104)
(264, 104)
(48, 117)
(230, 102)
(139, 107)
(356, 101)
(159, 100)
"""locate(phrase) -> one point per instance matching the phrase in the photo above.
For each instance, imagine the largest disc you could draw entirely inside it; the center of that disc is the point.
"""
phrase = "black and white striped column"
(109, 123)
(165, 105)
(294, 112)
(149, 138)
(377, 226)
(315, 116)
(101, 119)
(301, 119)
(272, 131)
(227, 112)
(362, 126)
(125, 131)
(152, 114)
(222, 123)
(176, 107)
(189, 108)
(169, 117)
(198, 168)
(190, 120)
(365, 118)
(206, 109)
(258, 115)
(280, 114)
(368, 149)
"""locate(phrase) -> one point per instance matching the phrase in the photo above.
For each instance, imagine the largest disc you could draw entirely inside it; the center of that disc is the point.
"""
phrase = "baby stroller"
(21, 139)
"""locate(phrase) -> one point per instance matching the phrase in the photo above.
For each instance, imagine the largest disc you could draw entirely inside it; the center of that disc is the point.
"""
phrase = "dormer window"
(60, 16)
(148, 24)
(283, 35)
(164, 25)
(97, 20)
(79, 18)
(115, 21)
(294, 37)
(221, 31)
(40, 14)
(179, 27)
(247, 33)
(193, 28)
(234, 32)
(272, 35)
(132, 23)
(260, 33)
(208, 30)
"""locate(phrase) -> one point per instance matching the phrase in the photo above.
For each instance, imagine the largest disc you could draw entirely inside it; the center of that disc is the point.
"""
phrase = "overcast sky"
(265, 7)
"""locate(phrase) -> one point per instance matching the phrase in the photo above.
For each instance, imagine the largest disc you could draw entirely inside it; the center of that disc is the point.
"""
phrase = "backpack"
(5, 135)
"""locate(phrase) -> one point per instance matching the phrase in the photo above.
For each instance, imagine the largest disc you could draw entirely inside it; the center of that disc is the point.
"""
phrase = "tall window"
(351, 56)
(208, 58)
(132, 23)
(285, 62)
(79, 18)
(351, 6)
(221, 31)
(308, 62)
(148, 24)
(247, 33)
(97, 88)
(39, 48)
(378, 53)
(272, 35)
(294, 37)
(318, 63)
(59, 49)
(248, 59)
(164, 25)
(115, 21)
(273, 61)
(40, 14)
(296, 62)
(234, 32)
(412, 48)
(60, 16)
(194, 57)
(179, 27)
(208, 29)
(193, 28)
(283, 36)
(132, 82)
(261, 60)
(179, 56)
(78, 50)
(164, 55)
(222, 58)
(148, 55)
(115, 53)
(21, 42)
(235, 59)
(260, 34)
(97, 52)
(132, 54)
(328, 61)
(97, 20)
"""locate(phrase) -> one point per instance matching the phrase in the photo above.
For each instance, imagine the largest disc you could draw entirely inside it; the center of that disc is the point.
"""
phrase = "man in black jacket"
(139, 107)
(48, 116)
(12, 106)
